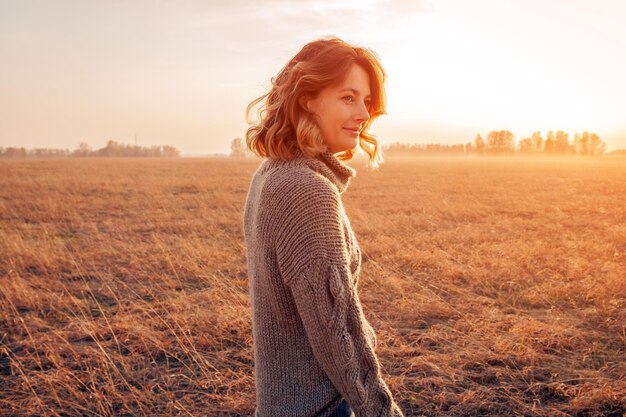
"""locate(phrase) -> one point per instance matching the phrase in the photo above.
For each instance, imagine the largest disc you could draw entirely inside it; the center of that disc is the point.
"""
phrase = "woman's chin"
(353, 143)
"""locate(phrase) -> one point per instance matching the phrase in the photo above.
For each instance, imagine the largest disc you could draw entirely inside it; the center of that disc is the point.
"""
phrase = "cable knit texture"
(312, 344)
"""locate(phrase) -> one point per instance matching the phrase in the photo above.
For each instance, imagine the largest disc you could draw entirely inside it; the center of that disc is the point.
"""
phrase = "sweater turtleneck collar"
(327, 164)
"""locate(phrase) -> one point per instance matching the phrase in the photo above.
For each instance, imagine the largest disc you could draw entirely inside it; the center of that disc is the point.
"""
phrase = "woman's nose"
(362, 115)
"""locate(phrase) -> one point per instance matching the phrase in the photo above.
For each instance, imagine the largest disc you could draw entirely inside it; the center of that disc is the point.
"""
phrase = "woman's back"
(312, 343)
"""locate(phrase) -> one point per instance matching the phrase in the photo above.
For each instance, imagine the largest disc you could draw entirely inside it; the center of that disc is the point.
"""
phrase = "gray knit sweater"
(312, 344)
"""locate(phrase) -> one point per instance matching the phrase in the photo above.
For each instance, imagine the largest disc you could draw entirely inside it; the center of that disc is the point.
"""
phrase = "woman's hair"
(284, 127)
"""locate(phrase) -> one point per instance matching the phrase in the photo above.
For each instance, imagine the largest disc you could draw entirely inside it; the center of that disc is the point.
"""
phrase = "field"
(497, 287)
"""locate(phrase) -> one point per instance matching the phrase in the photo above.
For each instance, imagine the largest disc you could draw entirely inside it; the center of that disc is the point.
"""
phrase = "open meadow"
(496, 286)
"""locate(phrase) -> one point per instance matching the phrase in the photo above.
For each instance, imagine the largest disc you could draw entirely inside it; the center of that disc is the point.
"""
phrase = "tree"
(561, 143)
(479, 143)
(596, 145)
(549, 145)
(237, 148)
(588, 143)
(500, 141)
(537, 141)
(526, 146)
(112, 148)
(83, 150)
(581, 143)
(170, 152)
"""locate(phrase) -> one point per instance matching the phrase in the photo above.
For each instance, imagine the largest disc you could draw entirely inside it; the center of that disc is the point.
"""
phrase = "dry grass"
(496, 286)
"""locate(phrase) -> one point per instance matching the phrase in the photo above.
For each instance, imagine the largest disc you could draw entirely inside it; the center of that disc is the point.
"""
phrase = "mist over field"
(496, 286)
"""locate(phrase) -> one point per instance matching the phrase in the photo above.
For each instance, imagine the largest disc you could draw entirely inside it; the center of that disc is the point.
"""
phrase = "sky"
(181, 73)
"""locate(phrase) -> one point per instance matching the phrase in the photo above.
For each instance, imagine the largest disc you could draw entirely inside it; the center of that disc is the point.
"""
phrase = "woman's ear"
(304, 102)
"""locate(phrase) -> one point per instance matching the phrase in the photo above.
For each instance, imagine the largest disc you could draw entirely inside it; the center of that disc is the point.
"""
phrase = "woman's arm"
(371, 334)
(331, 313)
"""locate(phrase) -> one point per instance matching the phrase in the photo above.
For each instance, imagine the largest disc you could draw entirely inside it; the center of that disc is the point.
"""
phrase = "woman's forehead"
(356, 81)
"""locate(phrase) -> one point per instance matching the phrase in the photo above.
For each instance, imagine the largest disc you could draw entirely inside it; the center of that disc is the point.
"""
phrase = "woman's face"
(341, 110)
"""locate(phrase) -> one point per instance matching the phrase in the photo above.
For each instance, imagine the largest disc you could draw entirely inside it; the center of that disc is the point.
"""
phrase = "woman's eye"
(348, 99)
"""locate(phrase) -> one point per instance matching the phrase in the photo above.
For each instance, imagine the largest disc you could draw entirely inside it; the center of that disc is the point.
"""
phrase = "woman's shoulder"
(297, 178)
(285, 189)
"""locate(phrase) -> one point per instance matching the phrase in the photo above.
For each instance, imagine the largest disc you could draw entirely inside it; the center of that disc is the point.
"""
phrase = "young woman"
(314, 349)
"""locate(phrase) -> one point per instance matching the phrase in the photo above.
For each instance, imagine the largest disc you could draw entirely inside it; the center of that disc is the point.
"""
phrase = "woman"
(313, 347)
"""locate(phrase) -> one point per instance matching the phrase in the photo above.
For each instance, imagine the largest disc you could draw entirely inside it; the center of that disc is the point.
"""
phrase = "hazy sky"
(182, 72)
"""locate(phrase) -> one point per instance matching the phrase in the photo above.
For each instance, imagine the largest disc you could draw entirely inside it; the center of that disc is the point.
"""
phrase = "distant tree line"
(555, 143)
(112, 149)
(431, 148)
(501, 142)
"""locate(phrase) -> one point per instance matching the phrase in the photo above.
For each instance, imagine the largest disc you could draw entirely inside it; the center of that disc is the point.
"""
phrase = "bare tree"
(537, 141)
(561, 143)
(526, 146)
(83, 150)
(500, 142)
(479, 143)
(596, 145)
(588, 143)
(237, 148)
(549, 146)
(581, 143)
(170, 152)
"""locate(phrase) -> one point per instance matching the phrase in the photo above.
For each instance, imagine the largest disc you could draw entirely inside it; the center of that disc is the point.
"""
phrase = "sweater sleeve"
(312, 257)
(371, 334)
(330, 310)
